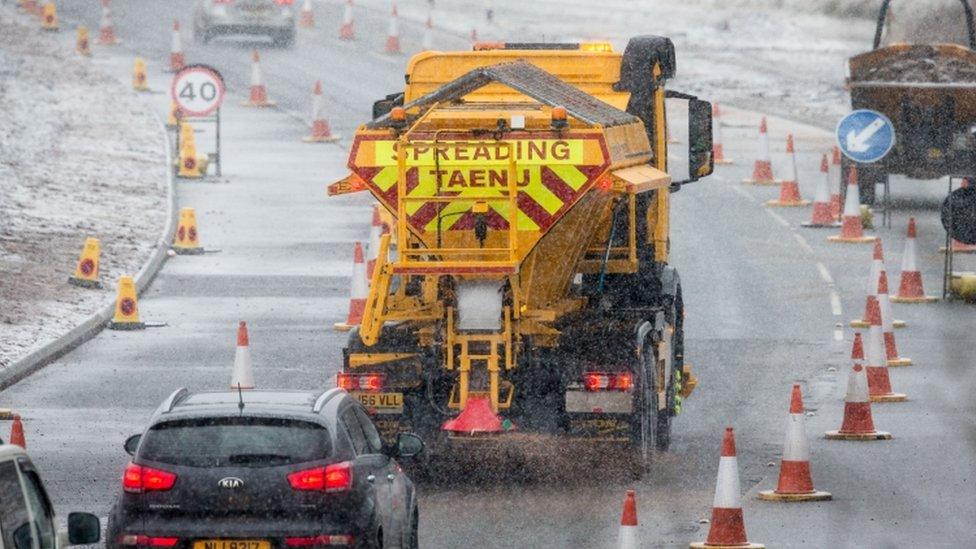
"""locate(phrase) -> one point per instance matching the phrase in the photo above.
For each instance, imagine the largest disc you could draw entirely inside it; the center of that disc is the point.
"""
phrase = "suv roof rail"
(173, 399)
(324, 398)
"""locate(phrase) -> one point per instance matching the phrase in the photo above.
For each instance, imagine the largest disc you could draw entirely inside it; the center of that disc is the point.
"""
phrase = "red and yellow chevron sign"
(552, 172)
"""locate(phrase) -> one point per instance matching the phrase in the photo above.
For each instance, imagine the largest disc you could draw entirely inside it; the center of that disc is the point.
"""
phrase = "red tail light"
(150, 541)
(360, 382)
(316, 541)
(331, 478)
(138, 479)
(597, 381)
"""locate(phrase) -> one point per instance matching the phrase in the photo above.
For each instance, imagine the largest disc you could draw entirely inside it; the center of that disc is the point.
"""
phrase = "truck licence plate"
(231, 544)
(381, 401)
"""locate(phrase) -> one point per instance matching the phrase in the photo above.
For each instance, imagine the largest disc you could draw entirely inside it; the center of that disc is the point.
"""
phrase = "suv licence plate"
(380, 401)
(231, 544)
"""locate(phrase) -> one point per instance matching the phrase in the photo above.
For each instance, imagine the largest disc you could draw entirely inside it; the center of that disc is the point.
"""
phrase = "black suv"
(264, 470)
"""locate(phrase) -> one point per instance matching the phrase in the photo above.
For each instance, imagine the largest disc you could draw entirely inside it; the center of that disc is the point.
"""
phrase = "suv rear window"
(235, 442)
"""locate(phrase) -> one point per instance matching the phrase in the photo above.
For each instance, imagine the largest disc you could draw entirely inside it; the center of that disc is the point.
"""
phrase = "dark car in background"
(272, 18)
(264, 470)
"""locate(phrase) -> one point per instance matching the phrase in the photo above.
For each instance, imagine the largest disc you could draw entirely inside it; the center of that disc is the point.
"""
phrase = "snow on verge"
(79, 156)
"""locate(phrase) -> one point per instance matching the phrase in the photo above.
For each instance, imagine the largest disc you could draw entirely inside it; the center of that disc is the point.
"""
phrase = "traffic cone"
(727, 529)
(627, 537)
(762, 172)
(877, 265)
(321, 131)
(359, 289)
(376, 230)
(858, 423)
(17, 433)
(139, 81)
(852, 229)
(306, 18)
(910, 289)
(393, 35)
(186, 241)
(959, 247)
(189, 165)
(83, 42)
(879, 384)
(428, 41)
(175, 114)
(888, 325)
(176, 58)
(789, 189)
(836, 182)
(106, 30)
(243, 375)
(29, 6)
(718, 151)
(126, 306)
(259, 95)
(347, 31)
(795, 482)
(86, 273)
(49, 17)
(821, 216)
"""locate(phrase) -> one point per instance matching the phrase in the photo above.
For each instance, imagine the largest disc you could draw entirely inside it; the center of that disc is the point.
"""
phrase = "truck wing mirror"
(694, 161)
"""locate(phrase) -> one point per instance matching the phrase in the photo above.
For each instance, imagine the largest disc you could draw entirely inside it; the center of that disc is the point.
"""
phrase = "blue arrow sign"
(865, 136)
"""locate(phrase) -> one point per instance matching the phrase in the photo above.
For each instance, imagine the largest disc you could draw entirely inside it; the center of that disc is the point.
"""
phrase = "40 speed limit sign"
(198, 90)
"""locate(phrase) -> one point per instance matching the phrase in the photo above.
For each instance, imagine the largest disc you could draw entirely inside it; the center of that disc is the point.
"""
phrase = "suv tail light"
(318, 541)
(331, 478)
(138, 479)
(599, 381)
(360, 382)
(147, 541)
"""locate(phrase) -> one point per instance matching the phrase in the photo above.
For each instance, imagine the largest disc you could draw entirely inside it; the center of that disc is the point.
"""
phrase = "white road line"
(835, 306)
(779, 219)
(806, 246)
(838, 335)
(825, 274)
(744, 194)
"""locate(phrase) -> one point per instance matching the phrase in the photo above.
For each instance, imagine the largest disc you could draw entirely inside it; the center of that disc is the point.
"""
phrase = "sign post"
(198, 91)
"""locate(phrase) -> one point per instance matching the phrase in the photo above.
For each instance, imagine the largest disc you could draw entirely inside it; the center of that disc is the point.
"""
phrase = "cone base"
(188, 251)
(789, 204)
(832, 225)
(141, 89)
(762, 183)
(114, 42)
(852, 240)
(724, 161)
(876, 435)
(84, 283)
(891, 397)
(189, 176)
(860, 323)
(342, 327)
(773, 495)
(314, 139)
(126, 325)
(899, 362)
(704, 545)
(259, 104)
(920, 299)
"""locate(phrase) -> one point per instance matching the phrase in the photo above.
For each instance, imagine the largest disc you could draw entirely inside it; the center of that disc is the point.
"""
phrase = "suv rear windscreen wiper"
(238, 459)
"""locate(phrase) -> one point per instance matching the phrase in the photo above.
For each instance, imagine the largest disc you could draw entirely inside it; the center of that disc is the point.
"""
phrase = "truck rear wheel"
(650, 426)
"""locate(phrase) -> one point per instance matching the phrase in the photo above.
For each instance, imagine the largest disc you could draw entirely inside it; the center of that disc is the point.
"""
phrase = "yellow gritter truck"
(525, 291)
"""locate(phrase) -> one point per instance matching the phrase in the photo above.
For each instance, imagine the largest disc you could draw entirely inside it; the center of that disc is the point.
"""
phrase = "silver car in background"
(273, 18)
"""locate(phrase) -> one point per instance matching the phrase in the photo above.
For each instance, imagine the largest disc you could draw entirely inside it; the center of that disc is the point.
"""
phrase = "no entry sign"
(198, 90)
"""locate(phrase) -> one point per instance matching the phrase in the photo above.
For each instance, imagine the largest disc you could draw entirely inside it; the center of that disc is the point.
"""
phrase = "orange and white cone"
(858, 423)
(358, 292)
(789, 189)
(910, 288)
(728, 528)
(627, 537)
(836, 182)
(851, 228)
(17, 433)
(176, 58)
(428, 42)
(393, 34)
(821, 217)
(321, 130)
(243, 374)
(879, 384)
(888, 324)
(762, 172)
(877, 265)
(960, 247)
(718, 150)
(306, 18)
(259, 94)
(106, 30)
(347, 31)
(795, 482)
(376, 230)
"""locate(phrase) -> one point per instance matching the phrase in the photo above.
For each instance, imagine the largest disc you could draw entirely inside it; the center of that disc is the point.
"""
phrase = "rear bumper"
(217, 29)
